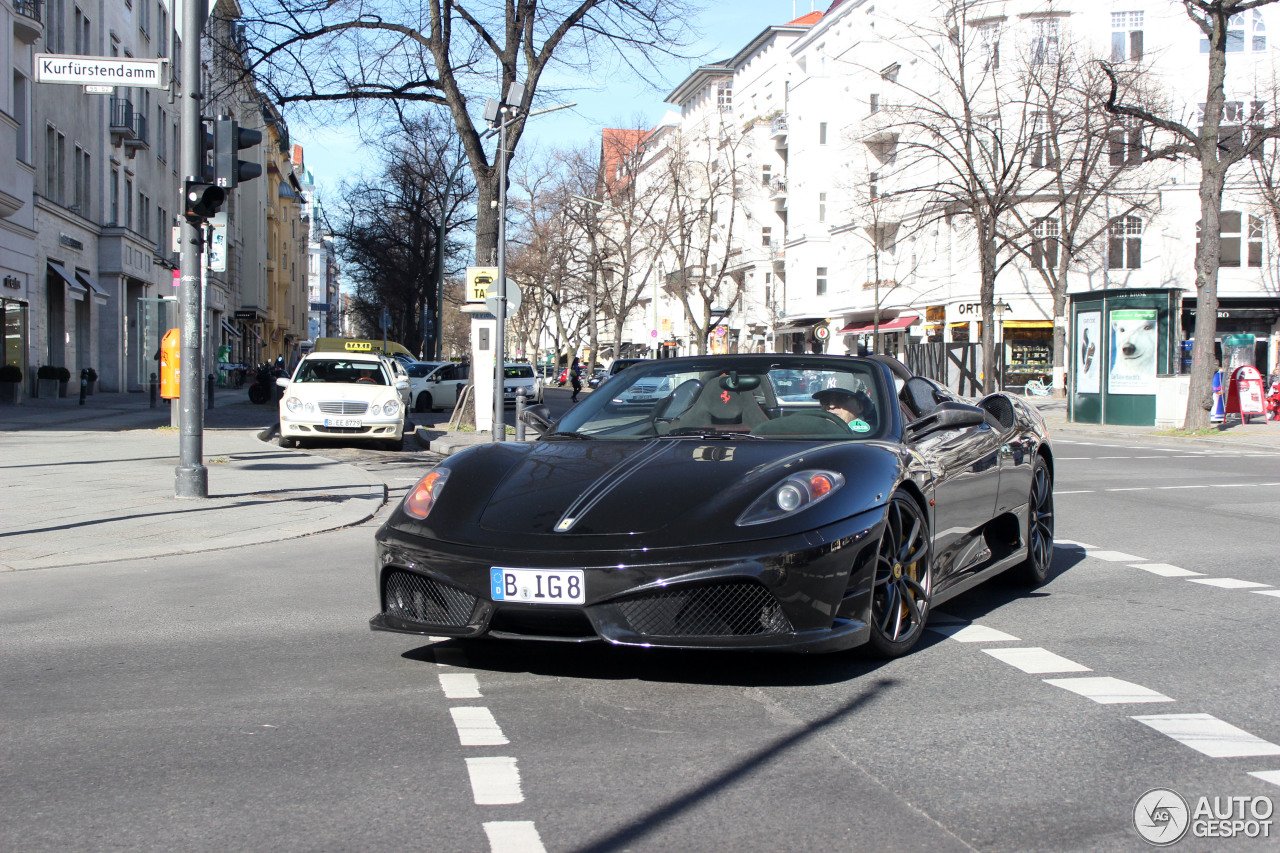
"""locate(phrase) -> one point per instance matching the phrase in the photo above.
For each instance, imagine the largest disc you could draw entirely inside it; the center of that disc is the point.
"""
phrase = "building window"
(22, 115)
(144, 214)
(1124, 144)
(724, 95)
(83, 46)
(766, 174)
(822, 207)
(1044, 41)
(874, 103)
(162, 29)
(766, 236)
(55, 160)
(115, 197)
(128, 203)
(1124, 249)
(144, 17)
(162, 133)
(873, 185)
(989, 46)
(822, 133)
(1237, 246)
(1126, 36)
(162, 244)
(822, 281)
(84, 181)
(55, 33)
(1044, 155)
(1237, 38)
(1044, 246)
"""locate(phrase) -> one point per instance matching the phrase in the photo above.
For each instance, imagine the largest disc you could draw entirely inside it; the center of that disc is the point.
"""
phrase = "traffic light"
(201, 200)
(228, 138)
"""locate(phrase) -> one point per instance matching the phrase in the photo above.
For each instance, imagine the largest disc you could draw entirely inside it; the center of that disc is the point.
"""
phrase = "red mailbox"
(1244, 395)
(170, 362)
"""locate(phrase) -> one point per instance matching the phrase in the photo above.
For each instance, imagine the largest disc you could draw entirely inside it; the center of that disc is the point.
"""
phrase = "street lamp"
(500, 114)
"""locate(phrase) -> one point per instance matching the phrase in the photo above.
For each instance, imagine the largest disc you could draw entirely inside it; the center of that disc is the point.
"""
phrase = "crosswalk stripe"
(1207, 734)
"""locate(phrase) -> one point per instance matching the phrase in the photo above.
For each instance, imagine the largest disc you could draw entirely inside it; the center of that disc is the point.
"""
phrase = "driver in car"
(852, 407)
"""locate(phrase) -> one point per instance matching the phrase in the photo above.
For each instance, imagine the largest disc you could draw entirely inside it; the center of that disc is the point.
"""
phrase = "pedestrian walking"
(575, 377)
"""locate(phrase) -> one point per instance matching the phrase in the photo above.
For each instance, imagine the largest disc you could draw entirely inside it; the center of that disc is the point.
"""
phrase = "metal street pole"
(499, 430)
(191, 476)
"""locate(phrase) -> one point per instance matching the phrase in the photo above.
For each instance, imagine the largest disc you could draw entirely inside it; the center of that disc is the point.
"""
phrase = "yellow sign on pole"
(478, 281)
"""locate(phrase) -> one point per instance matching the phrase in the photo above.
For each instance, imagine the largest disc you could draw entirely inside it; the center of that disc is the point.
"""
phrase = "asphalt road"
(237, 701)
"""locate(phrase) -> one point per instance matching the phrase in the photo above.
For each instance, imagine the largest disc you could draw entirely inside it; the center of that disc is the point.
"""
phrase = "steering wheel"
(366, 379)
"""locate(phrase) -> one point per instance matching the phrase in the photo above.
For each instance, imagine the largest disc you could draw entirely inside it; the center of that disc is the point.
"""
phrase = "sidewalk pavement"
(95, 483)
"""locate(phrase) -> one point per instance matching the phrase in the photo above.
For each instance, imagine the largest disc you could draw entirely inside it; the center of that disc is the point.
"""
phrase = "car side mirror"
(402, 385)
(282, 381)
(947, 416)
(538, 417)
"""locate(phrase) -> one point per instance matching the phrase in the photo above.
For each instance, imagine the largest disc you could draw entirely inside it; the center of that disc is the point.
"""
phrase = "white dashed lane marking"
(966, 633)
(1272, 776)
(1227, 583)
(495, 781)
(513, 836)
(459, 685)
(1272, 592)
(1036, 660)
(1114, 556)
(1164, 570)
(1108, 691)
(1207, 734)
(450, 657)
(477, 727)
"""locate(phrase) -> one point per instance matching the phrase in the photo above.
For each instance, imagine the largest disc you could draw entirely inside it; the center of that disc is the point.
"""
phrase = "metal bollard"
(520, 399)
(155, 390)
(84, 384)
(209, 392)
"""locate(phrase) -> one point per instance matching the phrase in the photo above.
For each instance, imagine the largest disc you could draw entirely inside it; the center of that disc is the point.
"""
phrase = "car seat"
(725, 402)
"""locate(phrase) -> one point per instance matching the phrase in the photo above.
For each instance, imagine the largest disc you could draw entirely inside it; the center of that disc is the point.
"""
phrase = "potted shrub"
(10, 384)
(92, 376)
(47, 381)
(64, 377)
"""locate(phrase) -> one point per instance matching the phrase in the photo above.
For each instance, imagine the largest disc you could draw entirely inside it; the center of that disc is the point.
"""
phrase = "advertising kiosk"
(1120, 341)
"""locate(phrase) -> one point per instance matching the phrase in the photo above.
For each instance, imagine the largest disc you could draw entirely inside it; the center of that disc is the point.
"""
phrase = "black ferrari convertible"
(809, 503)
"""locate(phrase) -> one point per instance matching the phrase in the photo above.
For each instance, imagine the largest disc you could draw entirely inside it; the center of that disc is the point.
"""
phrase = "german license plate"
(343, 422)
(538, 586)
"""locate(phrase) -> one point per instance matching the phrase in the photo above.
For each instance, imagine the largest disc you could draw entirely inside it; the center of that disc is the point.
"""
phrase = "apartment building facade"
(834, 239)
(90, 195)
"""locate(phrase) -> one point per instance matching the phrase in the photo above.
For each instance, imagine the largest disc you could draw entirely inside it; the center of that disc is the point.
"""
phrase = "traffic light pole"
(191, 476)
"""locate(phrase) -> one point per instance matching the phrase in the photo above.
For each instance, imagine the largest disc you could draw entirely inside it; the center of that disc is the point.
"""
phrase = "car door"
(444, 386)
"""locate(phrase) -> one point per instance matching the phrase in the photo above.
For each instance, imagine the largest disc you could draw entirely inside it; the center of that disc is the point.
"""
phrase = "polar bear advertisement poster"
(1089, 352)
(1133, 352)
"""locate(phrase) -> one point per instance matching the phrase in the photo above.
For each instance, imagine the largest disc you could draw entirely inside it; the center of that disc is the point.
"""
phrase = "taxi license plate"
(538, 586)
(343, 422)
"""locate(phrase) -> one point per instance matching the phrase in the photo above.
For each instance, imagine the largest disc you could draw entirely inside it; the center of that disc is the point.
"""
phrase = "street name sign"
(101, 70)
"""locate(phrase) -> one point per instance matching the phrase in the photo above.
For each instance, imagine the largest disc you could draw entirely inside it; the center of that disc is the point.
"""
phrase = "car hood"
(624, 494)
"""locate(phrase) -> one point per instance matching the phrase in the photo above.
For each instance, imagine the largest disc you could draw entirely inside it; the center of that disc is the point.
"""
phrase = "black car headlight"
(795, 494)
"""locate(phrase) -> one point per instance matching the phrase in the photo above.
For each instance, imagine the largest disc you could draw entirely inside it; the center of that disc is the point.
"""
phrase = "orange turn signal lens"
(819, 485)
(423, 496)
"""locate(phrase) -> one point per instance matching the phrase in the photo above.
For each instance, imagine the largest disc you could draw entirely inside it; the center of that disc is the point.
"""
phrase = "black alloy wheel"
(1035, 569)
(903, 586)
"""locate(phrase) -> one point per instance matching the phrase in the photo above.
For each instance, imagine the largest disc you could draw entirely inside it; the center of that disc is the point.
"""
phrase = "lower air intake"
(739, 609)
(415, 598)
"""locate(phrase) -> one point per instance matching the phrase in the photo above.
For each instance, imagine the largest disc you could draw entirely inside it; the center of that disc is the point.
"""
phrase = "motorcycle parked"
(264, 386)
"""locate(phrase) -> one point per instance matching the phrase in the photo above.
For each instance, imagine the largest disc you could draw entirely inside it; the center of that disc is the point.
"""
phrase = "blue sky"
(333, 154)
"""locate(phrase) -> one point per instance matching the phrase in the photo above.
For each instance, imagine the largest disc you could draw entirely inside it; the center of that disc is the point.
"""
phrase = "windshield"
(517, 371)
(419, 369)
(753, 397)
(340, 370)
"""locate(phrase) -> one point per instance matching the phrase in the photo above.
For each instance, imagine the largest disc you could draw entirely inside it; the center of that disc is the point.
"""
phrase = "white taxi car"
(343, 396)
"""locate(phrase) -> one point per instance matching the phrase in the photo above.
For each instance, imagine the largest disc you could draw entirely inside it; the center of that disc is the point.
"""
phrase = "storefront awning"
(59, 271)
(895, 325)
(1028, 324)
(254, 332)
(87, 280)
(231, 330)
(796, 324)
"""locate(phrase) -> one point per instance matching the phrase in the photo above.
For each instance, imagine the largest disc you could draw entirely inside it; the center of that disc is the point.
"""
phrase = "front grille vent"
(738, 609)
(343, 407)
(415, 598)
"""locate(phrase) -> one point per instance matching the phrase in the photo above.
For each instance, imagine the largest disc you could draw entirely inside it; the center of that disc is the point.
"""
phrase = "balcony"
(123, 120)
(27, 23)
(139, 139)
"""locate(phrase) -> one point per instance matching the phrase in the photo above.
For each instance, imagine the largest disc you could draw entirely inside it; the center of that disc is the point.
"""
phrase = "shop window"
(1044, 245)
(1124, 248)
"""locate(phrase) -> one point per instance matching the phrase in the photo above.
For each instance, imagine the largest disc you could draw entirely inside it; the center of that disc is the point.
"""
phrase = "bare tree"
(1216, 149)
(1083, 163)
(965, 134)
(449, 54)
(699, 184)
(389, 229)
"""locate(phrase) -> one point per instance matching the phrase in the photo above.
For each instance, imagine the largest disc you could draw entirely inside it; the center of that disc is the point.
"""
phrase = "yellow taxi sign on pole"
(478, 281)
